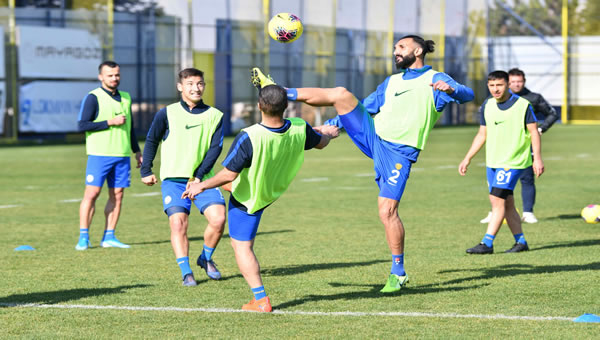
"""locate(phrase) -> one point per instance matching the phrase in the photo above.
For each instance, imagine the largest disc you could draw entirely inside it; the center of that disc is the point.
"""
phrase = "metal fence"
(345, 43)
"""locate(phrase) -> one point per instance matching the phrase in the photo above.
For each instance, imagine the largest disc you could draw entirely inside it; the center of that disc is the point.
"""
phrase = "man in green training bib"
(262, 162)
(105, 116)
(391, 127)
(508, 127)
(192, 139)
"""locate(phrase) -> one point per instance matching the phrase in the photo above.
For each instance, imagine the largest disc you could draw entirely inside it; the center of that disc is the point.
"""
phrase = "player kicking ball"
(262, 162)
(509, 130)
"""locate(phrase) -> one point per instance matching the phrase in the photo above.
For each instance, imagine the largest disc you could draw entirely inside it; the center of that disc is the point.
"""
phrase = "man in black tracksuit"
(546, 116)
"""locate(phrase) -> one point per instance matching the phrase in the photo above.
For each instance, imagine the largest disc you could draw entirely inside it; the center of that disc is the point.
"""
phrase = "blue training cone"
(25, 247)
(587, 317)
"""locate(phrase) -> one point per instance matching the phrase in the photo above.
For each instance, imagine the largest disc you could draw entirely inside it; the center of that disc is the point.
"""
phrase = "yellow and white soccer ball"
(285, 27)
(591, 213)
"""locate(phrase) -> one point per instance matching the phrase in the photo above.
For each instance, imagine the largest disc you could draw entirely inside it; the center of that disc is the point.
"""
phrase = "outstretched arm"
(478, 142)
(222, 177)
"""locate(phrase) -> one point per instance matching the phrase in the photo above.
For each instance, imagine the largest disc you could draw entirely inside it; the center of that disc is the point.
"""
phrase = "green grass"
(322, 249)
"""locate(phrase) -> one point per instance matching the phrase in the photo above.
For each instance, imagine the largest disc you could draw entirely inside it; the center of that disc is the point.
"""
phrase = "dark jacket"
(542, 109)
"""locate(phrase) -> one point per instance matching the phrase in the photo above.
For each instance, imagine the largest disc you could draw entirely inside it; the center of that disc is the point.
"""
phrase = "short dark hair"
(516, 72)
(273, 100)
(190, 72)
(107, 63)
(499, 74)
(426, 45)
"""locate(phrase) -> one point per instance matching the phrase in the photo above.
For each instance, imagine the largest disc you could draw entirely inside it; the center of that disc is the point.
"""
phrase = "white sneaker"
(529, 217)
(487, 218)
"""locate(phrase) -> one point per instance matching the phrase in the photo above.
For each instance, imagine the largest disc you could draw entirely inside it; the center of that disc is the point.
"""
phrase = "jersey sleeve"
(158, 131)
(550, 115)
(313, 138)
(88, 113)
(240, 153)
(135, 147)
(530, 115)
(461, 94)
(481, 113)
(375, 100)
(216, 146)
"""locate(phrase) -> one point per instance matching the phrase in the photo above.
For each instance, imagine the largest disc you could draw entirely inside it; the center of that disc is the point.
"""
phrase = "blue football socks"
(488, 240)
(520, 238)
(184, 265)
(108, 235)
(84, 233)
(207, 252)
(259, 292)
(398, 265)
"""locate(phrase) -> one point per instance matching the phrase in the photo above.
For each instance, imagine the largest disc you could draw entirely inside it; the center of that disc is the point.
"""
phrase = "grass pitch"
(322, 250)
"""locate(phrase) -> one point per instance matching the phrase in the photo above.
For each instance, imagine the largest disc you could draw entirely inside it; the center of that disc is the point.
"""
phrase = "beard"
(407, 60)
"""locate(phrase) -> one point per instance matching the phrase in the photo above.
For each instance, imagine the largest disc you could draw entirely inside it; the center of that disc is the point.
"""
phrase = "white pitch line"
(315, 179)
(355, 314)
(72, 200)
(156, 193)
(10, 206)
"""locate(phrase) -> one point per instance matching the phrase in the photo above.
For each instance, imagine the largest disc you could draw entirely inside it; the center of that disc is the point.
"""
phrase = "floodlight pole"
(110, 33)
(390, 35)
(14, 108)
(565, 60)
(266, 7)
(442, 35)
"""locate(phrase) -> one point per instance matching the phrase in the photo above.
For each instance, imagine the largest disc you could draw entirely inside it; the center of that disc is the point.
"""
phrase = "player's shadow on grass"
(512, 270)
(580, 243)
(59, 296)
(303, 268)
(374, 293)
(201, 238)
(563, 217)
(300, 268)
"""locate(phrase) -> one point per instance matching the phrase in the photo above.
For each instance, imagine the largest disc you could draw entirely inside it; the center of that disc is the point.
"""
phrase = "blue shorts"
(242, 225)
(503, 178)
(171, 197)
(115, 170)
(391, 168)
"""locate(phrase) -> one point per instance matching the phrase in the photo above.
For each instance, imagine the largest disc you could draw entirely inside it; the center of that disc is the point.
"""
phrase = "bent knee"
(342, 94)
(178, 223)
(217, 221)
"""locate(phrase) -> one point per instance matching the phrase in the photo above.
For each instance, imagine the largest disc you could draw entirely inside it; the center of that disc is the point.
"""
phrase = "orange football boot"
(262, 305)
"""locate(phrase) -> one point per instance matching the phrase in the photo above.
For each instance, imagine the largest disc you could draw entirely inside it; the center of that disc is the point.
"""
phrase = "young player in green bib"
(262, 162)
(509, 130)
(192, 140)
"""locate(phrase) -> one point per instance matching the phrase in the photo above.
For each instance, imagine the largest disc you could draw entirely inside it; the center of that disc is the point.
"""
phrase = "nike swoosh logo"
(498, 122)
(191, 126)
(399, 93)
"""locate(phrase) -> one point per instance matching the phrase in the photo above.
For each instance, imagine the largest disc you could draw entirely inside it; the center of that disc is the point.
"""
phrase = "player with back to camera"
(262, 162)
(543, 110)
(191, 133)
(508, 129)
(391, 126)
(105, 116)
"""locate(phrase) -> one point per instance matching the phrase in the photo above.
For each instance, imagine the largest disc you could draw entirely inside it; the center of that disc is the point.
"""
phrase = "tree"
(543, 15)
